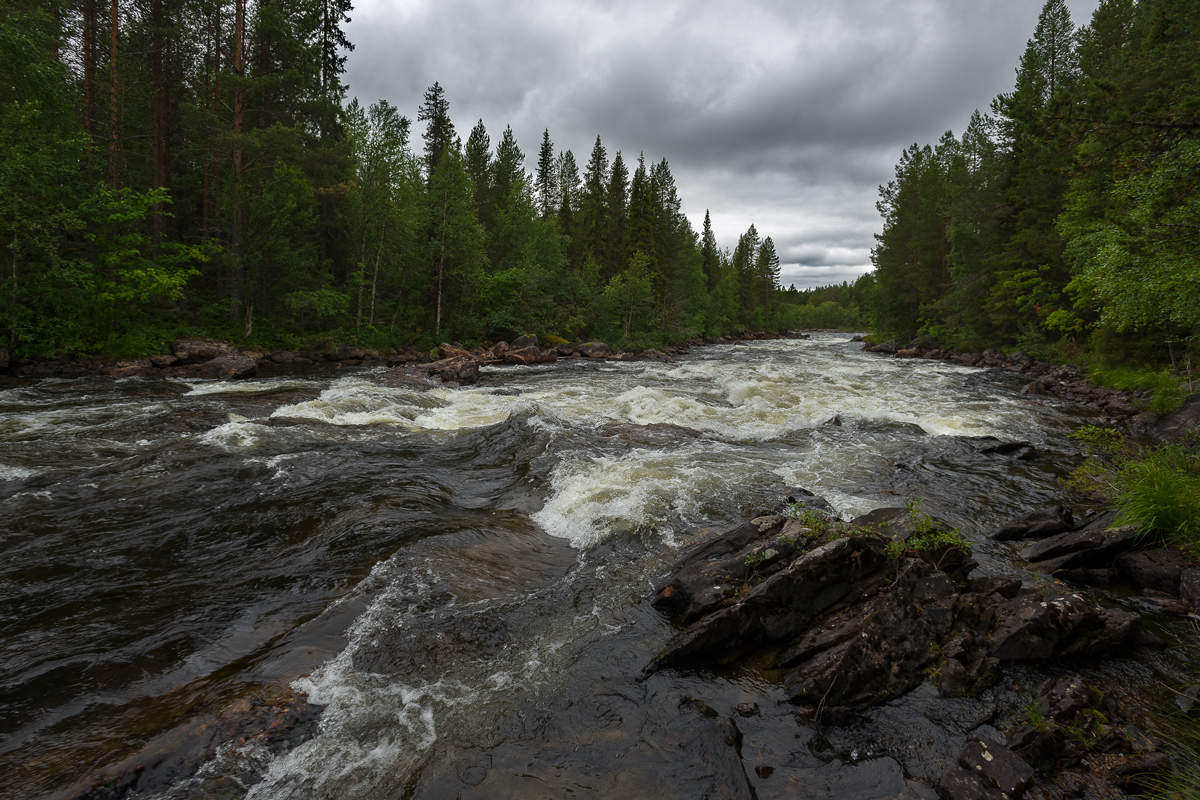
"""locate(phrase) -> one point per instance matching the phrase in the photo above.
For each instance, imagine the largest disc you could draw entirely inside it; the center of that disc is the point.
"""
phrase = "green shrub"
(1165, 390)
(1154, 489)
(1160, 495)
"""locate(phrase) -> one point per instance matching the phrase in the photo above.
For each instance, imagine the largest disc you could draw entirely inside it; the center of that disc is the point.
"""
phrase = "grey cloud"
(787, 113)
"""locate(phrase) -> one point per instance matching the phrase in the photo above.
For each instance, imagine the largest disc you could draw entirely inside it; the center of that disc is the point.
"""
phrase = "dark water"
(457, 577)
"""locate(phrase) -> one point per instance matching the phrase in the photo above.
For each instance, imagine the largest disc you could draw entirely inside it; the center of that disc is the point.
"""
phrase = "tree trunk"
(114, 110)
(160, 119)
(89, 66)
(437, 324)
(375, 277)
(235, 233)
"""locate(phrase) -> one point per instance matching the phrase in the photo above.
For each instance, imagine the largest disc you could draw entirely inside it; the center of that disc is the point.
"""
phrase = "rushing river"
(458, 576)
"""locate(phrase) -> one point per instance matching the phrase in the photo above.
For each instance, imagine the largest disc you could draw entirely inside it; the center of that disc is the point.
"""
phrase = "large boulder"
(447, 351)
(462, 371)
(594, 349)
(530, 354)
(848, 615)
(227, 367)
(194, 350)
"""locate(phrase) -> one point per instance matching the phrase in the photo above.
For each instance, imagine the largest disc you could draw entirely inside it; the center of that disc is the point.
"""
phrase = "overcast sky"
(785, 114)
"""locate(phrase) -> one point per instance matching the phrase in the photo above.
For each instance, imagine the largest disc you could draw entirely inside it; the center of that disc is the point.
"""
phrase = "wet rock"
(889, 347)
(448, 351)
(273, 723)
(195, 350)
(350, 353)
(706, 577)
(997, 766)
(1029, 629)
(529, 354)
(780, 608)
(1179, 422)
(873, 779)
(528, 340)
(129, 369)
(986, 770)
(463, 371)
(909, 352)
(1159, 568)
(1037, 524)
(1019, 450)
(1088, 576)
(164, 361)
(967, 359)
(1094, 545)
(1189, 588)
(594, 349)
(227, 367)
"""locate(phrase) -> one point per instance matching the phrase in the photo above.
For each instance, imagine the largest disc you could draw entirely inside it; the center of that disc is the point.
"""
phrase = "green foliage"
(1154, 489)
(927, 536)
(1068, 215)
(1165, 389)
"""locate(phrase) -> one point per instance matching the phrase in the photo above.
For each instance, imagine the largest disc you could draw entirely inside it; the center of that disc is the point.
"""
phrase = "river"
(458, 576)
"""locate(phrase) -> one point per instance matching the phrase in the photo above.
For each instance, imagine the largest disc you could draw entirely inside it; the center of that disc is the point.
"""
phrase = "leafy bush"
(1155, 489)
(1166, 392)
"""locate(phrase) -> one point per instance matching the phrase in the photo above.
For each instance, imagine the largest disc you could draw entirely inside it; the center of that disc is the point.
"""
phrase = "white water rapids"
(483, 631)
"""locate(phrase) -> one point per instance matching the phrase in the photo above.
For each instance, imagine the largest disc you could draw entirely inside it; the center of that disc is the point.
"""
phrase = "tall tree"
(439, 129)
(546, 181)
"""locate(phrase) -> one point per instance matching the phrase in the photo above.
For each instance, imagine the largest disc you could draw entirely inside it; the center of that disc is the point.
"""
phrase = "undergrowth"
(927, 535)
(1165, 391)
(1154, 489)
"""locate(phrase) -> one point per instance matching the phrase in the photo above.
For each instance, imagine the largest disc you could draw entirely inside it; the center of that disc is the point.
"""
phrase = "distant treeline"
(1067, 221)
(193, 167)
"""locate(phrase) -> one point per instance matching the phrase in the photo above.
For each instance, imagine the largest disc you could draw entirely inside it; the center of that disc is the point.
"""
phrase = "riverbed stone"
(227, 367)
(193, 350)
(1030, 629)
(594, 349)
(1036, 524)
(456, 370)
(1158, 568)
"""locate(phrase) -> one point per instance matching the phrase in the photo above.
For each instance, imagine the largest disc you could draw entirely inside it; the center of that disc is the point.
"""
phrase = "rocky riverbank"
(1058, 380)
(214, 359)
(850, 616)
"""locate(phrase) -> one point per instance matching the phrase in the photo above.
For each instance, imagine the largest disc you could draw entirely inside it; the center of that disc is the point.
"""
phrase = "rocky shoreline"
(196, 357)
(1058, 380)
(849, 616)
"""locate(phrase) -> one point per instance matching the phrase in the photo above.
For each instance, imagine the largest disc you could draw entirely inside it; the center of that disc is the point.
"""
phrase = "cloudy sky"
(784, 114)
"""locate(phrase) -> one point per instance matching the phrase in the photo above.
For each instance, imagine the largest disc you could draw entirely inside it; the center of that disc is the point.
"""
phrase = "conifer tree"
(546, 181)
(478, 156)
(439, 129)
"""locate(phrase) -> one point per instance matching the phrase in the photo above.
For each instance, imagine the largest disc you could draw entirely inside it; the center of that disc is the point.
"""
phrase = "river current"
(459, 577)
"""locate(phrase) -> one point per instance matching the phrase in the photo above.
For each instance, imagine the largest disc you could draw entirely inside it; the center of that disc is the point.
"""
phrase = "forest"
(177, 167)
(1065, 222)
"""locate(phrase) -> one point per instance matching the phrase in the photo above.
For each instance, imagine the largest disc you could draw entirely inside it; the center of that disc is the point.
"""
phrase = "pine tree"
(439, 130)
(592, 214)
(478, 155)
(710, 257)
(547, 177)
(612, 250)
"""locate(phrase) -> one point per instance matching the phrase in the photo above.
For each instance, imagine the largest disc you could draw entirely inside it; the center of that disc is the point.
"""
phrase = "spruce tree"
(546, 181)
(439, 133)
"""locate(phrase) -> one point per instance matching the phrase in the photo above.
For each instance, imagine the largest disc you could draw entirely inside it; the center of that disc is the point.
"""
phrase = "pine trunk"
(160, 120)
(89, 66)
(235, 233)
(114, 109)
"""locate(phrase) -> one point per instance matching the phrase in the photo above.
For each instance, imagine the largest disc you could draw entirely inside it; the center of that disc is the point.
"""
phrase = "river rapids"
(458, 577)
